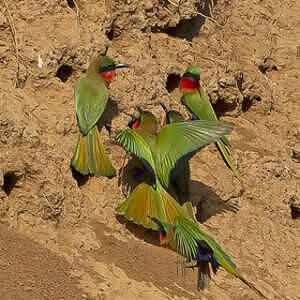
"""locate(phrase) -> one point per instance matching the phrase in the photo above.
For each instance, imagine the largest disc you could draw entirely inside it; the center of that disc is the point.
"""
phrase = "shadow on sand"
(203, 197)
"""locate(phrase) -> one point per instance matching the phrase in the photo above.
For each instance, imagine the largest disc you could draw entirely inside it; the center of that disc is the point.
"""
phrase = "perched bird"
(159, 152)
(91, 96)
(199, 105)
(180, 175)
(186, 238)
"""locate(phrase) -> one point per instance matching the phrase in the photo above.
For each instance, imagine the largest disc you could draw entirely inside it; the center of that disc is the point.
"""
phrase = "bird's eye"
(134, 124)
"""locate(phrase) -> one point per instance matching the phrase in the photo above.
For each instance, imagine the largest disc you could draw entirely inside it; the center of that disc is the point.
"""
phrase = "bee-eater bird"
(181, 174)
(186, 238)
(91, 96)
(199, 105)
(159, 152)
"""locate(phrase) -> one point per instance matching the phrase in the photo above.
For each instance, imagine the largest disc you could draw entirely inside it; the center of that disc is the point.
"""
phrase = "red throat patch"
(108, 76)
(164, 122)
(135, 124)
(189, 84)
(161, 238)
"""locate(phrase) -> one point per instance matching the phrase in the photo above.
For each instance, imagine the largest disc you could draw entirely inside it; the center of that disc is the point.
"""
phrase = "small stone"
(148, 5)
(27, 288)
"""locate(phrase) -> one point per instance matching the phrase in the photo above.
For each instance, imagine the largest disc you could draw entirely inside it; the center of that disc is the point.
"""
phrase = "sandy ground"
(60, 238)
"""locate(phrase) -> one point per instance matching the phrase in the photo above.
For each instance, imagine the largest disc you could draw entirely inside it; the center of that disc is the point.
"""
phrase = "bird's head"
(144, 117)
(105, 67)
(161, 229)
(190, 79)
(172, 116)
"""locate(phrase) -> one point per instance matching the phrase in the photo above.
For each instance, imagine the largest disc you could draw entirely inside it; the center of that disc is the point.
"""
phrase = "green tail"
(203, 275)
(90, 156)
(146, 201)
(199, 104)
(227, 159)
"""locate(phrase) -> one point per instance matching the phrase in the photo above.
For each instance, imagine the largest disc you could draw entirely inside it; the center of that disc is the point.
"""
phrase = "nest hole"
(71, 3)
(64, 72)
(110, 34)
(221, 107)
(10, 180)
(172, 82)
(186, 29)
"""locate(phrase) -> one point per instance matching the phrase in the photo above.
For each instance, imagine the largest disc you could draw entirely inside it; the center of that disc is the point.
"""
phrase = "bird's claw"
(189, 267)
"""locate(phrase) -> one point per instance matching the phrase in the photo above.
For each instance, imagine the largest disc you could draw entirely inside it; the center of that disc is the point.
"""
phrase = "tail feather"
(203, 274)
(234, 272)
(251, 286)
(98, 161)
(227, 159)
(79, 160)
(188, 207)
(90, 156)
(145, 201)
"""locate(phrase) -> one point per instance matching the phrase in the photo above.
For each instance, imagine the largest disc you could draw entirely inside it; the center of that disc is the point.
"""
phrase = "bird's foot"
(189, 266)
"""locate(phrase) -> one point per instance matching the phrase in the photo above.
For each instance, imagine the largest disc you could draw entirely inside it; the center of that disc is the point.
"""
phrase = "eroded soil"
(60, 238)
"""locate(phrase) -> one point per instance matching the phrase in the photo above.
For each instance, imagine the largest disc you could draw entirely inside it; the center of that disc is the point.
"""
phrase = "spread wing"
(178, 139)
(134, 143)
(187, 233)
(91, 96)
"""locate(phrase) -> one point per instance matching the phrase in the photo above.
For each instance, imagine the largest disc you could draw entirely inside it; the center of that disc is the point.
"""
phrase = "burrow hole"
(10, 180)
(64, 72)
(71, 3)
(172, 82)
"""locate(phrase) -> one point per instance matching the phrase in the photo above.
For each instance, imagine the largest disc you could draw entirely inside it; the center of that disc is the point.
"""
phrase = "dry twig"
(14, 34)
(77, 12)
(201, 14)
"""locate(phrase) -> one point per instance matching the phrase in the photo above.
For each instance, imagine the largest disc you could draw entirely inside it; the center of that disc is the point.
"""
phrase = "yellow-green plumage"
(91, 96)
(181, 174)
(199, 103)
(144, 201)
(189, 239)
(159, 154)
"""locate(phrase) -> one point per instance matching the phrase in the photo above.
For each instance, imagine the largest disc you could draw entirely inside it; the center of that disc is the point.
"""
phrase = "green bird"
(181, 175)
(91, 96)
(186, 238)
(199, 105)
(159, 152)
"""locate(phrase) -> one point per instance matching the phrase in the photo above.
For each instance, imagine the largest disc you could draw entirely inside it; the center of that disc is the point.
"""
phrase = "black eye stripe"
(130, 124)
(107, 68)
(191, 75)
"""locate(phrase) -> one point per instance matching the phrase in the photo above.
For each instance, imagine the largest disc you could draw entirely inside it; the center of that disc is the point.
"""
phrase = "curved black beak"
(118, 66)
(159, 224)
(164, 107)
(139, 109)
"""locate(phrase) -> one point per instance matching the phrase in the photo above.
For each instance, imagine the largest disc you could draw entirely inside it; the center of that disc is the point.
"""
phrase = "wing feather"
(91, 96)
(134, 143)
(178, 139)
(145, 201)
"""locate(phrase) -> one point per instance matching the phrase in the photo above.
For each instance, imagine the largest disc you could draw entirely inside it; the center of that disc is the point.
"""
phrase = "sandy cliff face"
(247, 53)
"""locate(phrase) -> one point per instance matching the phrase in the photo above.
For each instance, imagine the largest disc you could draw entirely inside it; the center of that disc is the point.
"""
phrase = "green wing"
(187, 232)
(199, 103)
(132, 142)
(178, 139)
(91, 96)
